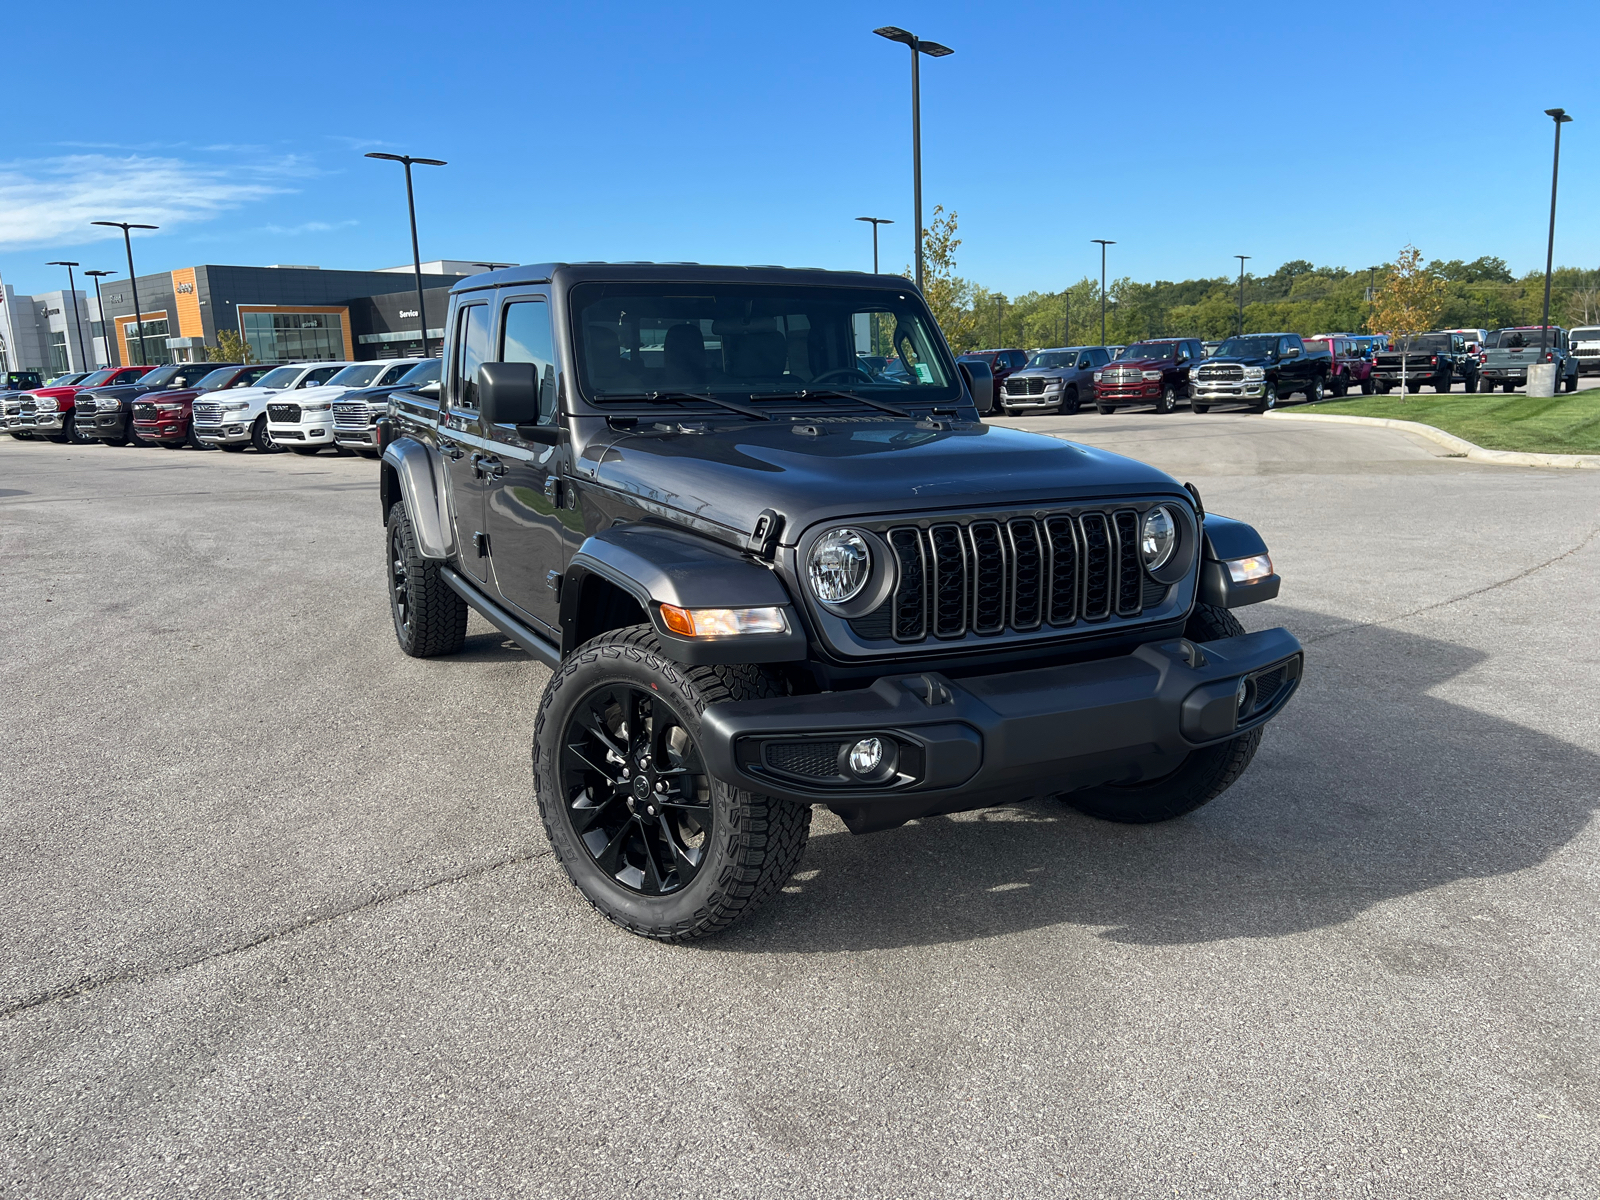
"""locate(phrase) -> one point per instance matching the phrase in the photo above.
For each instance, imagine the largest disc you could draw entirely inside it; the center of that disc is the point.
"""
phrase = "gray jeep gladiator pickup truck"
(765, 578)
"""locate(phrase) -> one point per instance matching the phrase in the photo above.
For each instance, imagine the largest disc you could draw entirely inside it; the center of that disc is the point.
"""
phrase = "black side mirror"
(980, 382)
(508, 393)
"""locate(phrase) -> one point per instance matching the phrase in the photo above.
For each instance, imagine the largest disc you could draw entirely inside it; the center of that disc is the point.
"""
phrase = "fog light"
(866, 756)
(1243, 695)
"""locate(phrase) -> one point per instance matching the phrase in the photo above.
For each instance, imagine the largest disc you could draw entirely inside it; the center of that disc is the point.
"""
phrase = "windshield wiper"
(805, 394)
(653, 397)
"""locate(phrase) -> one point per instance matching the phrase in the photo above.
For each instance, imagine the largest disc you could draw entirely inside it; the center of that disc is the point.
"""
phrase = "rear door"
(461, 439)
(533, 522)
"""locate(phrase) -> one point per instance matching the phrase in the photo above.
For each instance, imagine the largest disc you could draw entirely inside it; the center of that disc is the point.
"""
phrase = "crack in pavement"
(1533, 570)
(92, 983)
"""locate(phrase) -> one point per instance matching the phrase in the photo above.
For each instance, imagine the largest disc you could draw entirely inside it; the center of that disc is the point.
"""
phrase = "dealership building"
(42, 333)
(284, 313)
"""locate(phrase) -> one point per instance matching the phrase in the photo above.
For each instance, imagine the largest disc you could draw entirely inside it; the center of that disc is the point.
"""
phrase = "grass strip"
(1568, 423)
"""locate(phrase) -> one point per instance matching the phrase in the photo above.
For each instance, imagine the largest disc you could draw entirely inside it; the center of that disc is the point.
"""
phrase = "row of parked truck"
(1260, 369)
(305, 407)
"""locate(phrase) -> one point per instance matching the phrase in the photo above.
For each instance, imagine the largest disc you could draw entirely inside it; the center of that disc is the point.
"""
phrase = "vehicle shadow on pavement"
(1367, 788)
(489, 647)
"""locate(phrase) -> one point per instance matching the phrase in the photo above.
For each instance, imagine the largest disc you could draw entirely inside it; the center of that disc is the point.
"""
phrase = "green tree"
(230, 348)
(1409, 302)
(948, 295)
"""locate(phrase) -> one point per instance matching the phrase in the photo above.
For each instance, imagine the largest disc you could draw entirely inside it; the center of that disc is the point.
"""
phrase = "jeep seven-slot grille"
(988, 575)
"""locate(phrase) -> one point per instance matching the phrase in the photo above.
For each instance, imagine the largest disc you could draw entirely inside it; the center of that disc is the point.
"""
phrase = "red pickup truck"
(1151, 372)
(1352, 363)
(51, 408)
(167, 417)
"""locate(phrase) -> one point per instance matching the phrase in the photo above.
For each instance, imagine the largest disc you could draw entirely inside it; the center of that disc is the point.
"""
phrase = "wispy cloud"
(53, 200)
(307, 227)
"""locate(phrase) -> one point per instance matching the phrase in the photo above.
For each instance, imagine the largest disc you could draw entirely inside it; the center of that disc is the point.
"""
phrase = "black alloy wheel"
(399, 579)
(1069, 400)
(261, 437)
(635, 790)
(1168, 400)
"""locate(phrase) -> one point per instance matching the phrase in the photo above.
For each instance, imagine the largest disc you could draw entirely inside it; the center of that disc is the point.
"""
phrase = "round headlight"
(839, 565)
(1158, 538)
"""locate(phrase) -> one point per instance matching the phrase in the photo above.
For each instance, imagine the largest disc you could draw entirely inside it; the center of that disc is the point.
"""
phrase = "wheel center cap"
(641, 786)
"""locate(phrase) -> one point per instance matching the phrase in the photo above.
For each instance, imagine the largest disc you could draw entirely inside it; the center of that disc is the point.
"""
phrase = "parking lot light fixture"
(1242, 259)
(1102, 243)
(407, 161)
(876, 221)
(133, 281)
(100, 304)
(1559, 116)
(918, 49)
(77, 318)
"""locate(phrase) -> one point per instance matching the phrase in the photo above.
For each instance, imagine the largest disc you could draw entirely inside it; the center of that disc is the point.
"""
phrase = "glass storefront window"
(58, 354)
(294, 337)
(155, 342)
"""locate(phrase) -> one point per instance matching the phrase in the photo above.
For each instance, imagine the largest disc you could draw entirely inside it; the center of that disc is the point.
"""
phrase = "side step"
(535, 644)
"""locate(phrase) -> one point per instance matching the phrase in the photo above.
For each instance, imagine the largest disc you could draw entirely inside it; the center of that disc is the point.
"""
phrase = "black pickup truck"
(1260, 369)
(765, 578)
(1434, 359)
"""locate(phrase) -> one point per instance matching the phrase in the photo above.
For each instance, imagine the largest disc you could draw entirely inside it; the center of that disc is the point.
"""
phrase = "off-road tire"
(1572, 384)
(1168, 400)
(1442, 388)
(433, 619)
(756, 841)
(1202, 776)
(1508, 387)
(1341, 385)
(260, 438)
(1366, 387)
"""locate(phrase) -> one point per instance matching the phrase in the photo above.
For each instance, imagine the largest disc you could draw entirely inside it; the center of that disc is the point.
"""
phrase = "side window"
(126, 376)
(319, 377)
(1283, 346)
(247, 378)
(471, 349)
(392, 375)
(526, 338)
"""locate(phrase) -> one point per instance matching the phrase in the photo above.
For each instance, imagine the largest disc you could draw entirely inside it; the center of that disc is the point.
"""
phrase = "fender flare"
(659, 565)
(416, 472)
(1224, 538)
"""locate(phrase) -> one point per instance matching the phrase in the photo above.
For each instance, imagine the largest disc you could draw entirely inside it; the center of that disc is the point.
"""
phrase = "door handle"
(487, 466)
(552, 490)
(450, 449)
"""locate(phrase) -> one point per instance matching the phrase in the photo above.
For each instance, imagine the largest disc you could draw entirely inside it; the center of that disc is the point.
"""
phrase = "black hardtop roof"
(566, 274)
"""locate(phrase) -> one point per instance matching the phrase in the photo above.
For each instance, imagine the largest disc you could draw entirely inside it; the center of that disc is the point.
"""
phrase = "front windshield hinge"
(763, 539)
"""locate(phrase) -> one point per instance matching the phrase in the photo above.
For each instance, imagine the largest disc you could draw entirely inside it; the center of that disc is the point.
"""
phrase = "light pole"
(133, 281)
(876, 221)
(77, 319)
(1102, 243)
(406, 161)
(932, 50)
(100, 304)
(1243, 258)
(1559, 116)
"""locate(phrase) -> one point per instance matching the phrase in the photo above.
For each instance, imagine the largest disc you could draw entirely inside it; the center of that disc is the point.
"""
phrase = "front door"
(532, 514)
(461, 439)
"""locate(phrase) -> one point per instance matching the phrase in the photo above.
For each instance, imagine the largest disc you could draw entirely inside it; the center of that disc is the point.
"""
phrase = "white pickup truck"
(1586, 348)
(239, 419)
(304, 423)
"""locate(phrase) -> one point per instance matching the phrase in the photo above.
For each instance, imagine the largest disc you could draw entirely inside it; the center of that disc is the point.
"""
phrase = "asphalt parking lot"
(280, 919)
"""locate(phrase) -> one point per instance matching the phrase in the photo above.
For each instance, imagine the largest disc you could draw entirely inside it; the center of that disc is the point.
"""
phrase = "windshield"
(1431, 343)
(1048, 360)
(738, 340)
(1150, 350)
(161, 376)
(359, 375)
(426, 371)
(64, 380)
(1586, 333)
(216, 379)
(279, 377)
(95, 378)
(1248, 347)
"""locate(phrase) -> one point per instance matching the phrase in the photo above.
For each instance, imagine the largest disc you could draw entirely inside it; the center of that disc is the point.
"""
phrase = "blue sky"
(724, 132)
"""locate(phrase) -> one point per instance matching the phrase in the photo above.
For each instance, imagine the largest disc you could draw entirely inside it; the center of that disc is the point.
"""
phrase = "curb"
(1508, 458)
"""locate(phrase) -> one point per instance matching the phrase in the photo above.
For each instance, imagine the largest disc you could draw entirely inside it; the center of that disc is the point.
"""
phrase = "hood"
(1044, 372)
(55, 393)
(252, 394)
(1142, 364)
(1239, 360)
(178, 396)
(728, 476)
(317, 394)
(371, 393)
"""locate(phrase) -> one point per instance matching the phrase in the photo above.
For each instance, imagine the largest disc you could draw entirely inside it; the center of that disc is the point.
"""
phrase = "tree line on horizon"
(1299, 297)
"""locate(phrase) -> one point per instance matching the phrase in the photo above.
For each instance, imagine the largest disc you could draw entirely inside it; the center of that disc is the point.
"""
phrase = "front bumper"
(108, 426)
(225, 434)
(970, 743)
(1227, 390)
(50, 421)
(367, 439)
(175, 430)
(305, 434)
(1127, 393)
